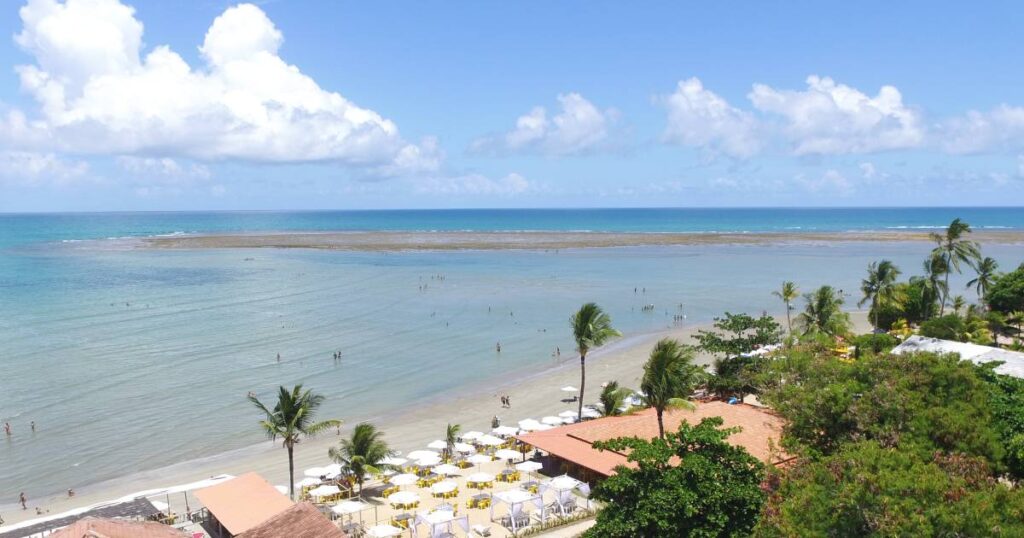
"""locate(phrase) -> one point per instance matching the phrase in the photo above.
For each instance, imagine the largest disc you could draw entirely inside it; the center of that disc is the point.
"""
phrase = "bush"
(1006, 294)
(948, 327)
(874, 343)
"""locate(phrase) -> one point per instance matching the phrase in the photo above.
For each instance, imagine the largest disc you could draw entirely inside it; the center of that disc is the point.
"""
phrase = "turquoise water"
(130, 360)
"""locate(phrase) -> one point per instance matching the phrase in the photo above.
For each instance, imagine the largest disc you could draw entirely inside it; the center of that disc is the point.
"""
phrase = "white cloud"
(975, 132)
(37, 168)
(831, 118)
(162, 166)
(698, 117)
(98, 94)
(831, 180)
(578, 128)
(475, 184)
(868, 170)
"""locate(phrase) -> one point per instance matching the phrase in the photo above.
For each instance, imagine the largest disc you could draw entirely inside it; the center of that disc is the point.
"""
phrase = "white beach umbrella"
(315, 472)
(438, 445)
(403, 497)
(529, 466)
(544, 427)
(382, 531)
(464, 448)
(307, 482)
(506, 454)
(470, 435)
(477, 478)
(283, 490)
(490, 440)
(444, 486)
(570, 388)
(160, 505)
(349, 507)
(563, 482)
(477, 459)
(324, 491)
(394, 460)
(333, 469)
(446, 469)
(569, 414)
(554, 421)
(421, 454)
(404, 479)
(504, 431)
(529, 425)
(590, 412)
(429, 461)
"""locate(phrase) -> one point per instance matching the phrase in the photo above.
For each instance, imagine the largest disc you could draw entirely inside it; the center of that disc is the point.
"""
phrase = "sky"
(306, 104)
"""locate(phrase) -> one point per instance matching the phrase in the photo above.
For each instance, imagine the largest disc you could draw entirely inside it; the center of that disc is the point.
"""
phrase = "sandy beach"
(533, 394)
(404, 241)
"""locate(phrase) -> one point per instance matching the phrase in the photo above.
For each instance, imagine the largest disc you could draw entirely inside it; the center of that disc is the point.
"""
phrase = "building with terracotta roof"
(117, 528)
(240, 504)
(300, 521)
(571, 446)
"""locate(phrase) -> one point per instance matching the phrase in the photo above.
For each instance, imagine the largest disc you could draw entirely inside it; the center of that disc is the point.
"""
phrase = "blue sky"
(293, 104)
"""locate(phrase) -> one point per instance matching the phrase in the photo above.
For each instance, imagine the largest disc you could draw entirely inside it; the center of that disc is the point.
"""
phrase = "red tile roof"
(117, 528)
(760, 432)
(300, 521)
(243, 502)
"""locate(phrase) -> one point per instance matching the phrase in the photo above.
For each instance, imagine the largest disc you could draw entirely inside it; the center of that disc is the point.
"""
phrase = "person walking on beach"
(23, 500)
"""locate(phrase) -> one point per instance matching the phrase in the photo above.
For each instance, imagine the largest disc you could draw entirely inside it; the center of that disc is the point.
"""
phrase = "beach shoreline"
(533, 394)
(383, 241)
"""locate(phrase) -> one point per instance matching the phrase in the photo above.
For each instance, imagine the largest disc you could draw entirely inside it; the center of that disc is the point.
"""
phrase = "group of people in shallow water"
(506, 400)
(8, 431)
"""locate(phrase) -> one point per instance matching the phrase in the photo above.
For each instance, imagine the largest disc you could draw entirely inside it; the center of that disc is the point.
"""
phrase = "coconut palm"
(451, 435)
(612, 398)
(362, 453)
(986, 272)
(934, 275)
(954, 249)
(823, 313)
(291, 419)
(591, 327)
(788, 293)
(879, 287)
(669, 378)
(958, 304)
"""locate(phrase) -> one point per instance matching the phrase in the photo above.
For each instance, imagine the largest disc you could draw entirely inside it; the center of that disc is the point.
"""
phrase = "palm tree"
(879, 287)
(986, 272)
(591, 327)
(788, 293)
(292, 419)
(934, 273)
(954, 248)
(362, 453)
(612, 397)
(823, 313)
(958, 304)
(451, 435)
(669, 378)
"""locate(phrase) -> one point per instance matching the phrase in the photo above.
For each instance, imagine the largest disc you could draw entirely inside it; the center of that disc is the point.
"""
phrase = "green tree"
(612, 399)
(669, 378)
(1006, 401)
(954, 327)
(985, 272)
(879, 287)
(734, 336)
(867, 489)
(954, 249)
(291, 419)
(591, 327)
(451, 436)
(788, 293)
(1006, 294)
(362, 453)
(823, 314)
(692, 483)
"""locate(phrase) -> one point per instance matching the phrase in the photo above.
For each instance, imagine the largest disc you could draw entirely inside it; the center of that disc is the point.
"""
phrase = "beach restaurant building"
(570, 448)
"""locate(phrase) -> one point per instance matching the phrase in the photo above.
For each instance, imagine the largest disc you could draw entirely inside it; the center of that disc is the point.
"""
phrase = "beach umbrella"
(554, 421)
(403, 497)
(564, 482)
(429, 461)
(544, 427)
(529, 425)
(404, 479)
(480, 477)
(570, 388)
(349, 507)
(470, 435)
(333, 470)
(394, 460)
(444, 486)
(324, 491)
(382, 531)
(529, 466)
(504, 431)
(308, 482)
(283, 490)
(464, 448)
(490, 440)
(506, 454)
(477, 459)
(421, 454)
(438, 445)
(446, 469)
(160, 506)
(590, 412)
(569, 414)
(315, 472)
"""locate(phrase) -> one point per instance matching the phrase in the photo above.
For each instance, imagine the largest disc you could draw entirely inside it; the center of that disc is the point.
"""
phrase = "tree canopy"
(1006, 293)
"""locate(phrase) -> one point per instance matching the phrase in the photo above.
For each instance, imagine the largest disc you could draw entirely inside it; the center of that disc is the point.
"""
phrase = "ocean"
(130, 360)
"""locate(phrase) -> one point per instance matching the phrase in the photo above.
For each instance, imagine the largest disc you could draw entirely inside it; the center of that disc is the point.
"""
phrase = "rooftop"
(302, 520)
(136, 508)
(243, 503)
(117, 528)
(1013, 361)
(760, 431)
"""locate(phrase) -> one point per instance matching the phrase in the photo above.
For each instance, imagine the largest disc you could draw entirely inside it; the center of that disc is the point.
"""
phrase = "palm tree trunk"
(945, 294)
(291, 470)
(583, 382)
(661, 424)
(789, 323)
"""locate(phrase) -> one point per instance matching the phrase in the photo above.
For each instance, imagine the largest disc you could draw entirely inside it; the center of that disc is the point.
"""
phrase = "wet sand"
(402, 241)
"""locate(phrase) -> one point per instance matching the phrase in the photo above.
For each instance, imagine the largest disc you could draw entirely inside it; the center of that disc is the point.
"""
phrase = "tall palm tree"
(823, 313)
(986, 272)
(291, 419)
(958, 304)
(788, 293)
(954, 248)
(451, 435)
(879, 287)
(934, 274)
(669, 378)
(362, 453)
(591, 327)
(612, 397)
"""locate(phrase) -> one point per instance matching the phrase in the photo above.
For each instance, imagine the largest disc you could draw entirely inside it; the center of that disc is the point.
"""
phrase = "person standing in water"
(23, 500)
(497, 347)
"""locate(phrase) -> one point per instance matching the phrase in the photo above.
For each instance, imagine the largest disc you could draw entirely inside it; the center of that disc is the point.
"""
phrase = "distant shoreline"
(540, 240)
